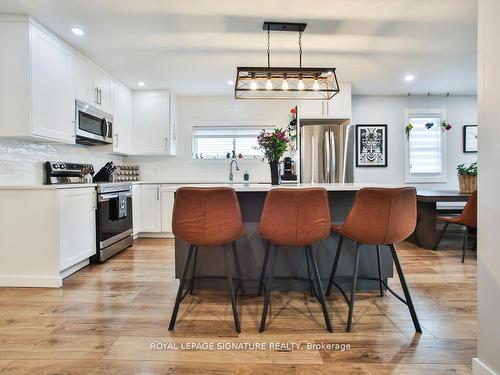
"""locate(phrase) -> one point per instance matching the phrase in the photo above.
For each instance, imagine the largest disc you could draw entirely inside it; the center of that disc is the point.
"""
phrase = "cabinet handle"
(157, 193)
(116, 139)
(96, 95)
(100, 97)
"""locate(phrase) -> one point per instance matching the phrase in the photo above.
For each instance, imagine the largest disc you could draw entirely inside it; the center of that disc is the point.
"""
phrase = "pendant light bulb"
(316, 83)
(253, 83)
(284, 85)
(300, 84)
(269, 83)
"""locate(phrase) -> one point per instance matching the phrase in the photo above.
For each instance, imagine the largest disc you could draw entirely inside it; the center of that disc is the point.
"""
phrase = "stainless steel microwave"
(93, 126)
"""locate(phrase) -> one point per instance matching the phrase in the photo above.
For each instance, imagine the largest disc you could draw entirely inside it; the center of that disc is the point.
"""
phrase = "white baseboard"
(479, 368)
(31, 281)
(155, 235)
(70, 270)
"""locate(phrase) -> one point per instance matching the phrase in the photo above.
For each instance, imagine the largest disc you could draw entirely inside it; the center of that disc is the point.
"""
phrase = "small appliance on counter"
(57, 172)
(288, 170)
(127, 173)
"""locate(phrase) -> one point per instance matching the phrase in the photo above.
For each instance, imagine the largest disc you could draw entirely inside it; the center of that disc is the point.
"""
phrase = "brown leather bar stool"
(207, 217)
(297, 218)
(378, 217)
(468, 218)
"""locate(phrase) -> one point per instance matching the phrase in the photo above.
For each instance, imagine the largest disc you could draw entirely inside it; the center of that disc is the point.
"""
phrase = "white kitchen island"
(291, 271)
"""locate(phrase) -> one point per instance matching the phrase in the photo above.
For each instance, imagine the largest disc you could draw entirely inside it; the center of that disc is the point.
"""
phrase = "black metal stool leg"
(267, 298)
(379, 272)
(464, 244)
(319, 288)
(237, 266)
(402, 280)
(181, 289)
(335, 264)
(353, 290)
(440, 237)
(309, 273)
(231, 290)
(264, 267)
(193, 274)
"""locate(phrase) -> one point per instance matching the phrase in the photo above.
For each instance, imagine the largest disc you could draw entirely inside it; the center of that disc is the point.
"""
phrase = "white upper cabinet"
(92, 85)
(51, 104)
(122, 120)
(35, 83)
(339, 107)
(154, 128)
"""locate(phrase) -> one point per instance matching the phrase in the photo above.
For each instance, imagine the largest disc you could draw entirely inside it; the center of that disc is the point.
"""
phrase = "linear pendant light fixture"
(285, 82)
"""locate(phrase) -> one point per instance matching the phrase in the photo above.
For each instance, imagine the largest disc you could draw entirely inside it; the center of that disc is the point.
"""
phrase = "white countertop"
(239, 187)
(46, 187)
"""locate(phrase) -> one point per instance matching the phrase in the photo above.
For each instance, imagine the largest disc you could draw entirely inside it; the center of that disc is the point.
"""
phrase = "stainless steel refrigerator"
(326, 151)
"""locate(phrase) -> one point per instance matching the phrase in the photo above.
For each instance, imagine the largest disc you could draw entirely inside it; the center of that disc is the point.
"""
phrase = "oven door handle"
(108, 197)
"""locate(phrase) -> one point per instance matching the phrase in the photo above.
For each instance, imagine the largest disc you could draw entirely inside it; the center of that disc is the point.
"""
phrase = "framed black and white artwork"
(371, 145)
(470, 139)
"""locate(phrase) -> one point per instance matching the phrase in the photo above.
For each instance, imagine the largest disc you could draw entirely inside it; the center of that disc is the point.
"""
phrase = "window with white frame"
(425, 146)
(215, 142)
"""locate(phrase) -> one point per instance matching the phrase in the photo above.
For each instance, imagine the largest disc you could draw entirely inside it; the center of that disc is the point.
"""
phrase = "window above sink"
(219, 142)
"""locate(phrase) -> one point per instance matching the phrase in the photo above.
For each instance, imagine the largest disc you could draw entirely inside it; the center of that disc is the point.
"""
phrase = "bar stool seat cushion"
(371, 219)
(207, 216)
(468, 217)
(295, 217)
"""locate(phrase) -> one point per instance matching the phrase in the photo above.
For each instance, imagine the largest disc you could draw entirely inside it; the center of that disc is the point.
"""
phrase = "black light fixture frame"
(325, 78)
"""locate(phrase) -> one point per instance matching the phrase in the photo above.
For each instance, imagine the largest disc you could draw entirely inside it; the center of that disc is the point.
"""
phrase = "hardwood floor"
(105, 318)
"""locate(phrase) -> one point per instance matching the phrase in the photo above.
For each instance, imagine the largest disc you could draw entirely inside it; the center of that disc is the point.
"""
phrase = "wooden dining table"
(425, 234)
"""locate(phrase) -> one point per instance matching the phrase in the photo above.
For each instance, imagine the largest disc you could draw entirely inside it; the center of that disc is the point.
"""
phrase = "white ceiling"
(194, 46)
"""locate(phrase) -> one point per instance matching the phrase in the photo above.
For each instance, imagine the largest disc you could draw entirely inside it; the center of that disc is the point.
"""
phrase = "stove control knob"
(55, 166)
(62, 166)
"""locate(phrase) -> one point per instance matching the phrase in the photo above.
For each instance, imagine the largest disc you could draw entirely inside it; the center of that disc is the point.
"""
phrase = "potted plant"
(467, 177)
(273, 144)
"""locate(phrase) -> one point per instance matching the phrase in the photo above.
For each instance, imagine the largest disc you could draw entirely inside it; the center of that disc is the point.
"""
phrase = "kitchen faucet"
(231, 176)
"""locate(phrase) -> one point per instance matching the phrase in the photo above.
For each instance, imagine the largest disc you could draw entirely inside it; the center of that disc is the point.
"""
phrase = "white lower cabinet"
(77, 226)
(136, 209)
(150, 208)
(167, 207)
(153, 207)
(47, 234)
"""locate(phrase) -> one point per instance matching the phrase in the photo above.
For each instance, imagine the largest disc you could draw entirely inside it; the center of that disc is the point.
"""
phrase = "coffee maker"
(288, 170)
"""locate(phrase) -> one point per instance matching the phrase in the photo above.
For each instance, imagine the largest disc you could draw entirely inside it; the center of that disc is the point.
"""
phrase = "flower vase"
(275, 172)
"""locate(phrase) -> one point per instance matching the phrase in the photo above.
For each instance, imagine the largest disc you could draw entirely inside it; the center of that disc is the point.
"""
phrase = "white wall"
(215, 110)
(462, 110)
(21, 163)
(488, 252)
(224, 110)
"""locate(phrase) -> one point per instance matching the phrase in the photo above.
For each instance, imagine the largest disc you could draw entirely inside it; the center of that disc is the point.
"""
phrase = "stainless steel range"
(114, 206)
(114, 219)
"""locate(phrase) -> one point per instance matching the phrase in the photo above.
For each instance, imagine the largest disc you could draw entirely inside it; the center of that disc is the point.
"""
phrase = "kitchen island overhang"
(291, 269)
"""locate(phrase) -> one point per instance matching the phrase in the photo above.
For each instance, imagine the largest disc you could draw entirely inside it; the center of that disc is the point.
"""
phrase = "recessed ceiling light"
(409, 77)
(77, 31)
(230, 82)
(140, 83)
(329, 72)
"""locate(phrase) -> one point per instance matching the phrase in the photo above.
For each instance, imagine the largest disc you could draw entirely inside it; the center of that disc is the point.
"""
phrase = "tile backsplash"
(21, 162)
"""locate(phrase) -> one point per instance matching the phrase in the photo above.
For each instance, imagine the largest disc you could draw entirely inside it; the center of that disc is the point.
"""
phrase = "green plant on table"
(471, 170)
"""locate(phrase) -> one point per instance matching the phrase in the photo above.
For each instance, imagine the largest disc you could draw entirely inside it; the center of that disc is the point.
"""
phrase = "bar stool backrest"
(469, 214)
(382, 216)
(207, 216)
(295, 217)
